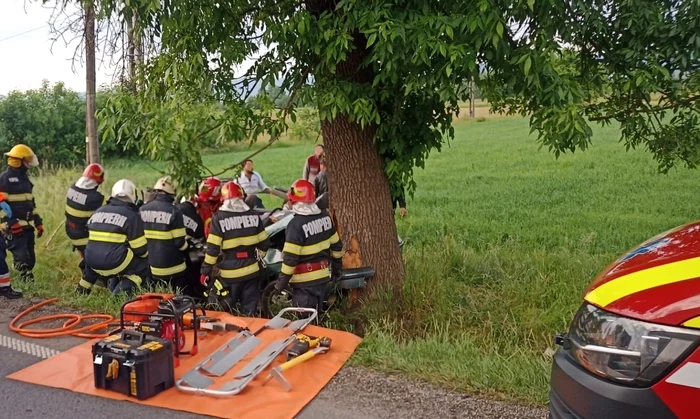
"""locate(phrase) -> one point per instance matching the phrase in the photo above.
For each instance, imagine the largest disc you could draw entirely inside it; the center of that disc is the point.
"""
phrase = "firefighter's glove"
(82, 290)
(203, 279)
(39, 230)
(281, 284)
(16, 229)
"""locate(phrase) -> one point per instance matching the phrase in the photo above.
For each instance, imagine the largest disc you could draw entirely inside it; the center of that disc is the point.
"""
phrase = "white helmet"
(124, 188)
(165, 184)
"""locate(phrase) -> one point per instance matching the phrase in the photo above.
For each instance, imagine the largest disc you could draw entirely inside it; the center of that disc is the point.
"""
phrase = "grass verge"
(501, 240)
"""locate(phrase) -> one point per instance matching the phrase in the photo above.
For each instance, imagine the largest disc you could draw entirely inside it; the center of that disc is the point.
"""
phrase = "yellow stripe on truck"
(644, 280)
(694, 323)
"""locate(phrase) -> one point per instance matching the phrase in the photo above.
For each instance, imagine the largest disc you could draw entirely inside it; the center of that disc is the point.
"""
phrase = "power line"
(23, 33)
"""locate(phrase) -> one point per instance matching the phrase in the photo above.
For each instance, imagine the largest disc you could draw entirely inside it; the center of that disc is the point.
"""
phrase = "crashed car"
(633, 348)
(272, 300)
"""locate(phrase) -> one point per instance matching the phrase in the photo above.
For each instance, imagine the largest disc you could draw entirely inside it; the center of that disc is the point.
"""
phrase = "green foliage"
(307, 126)
(415, 58)
(50, 120)
(501, 241)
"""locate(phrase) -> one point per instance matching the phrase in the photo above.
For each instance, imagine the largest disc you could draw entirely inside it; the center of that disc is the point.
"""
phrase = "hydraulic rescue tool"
(162, 315)
(304, 343)
(235, 350)
(210, 323)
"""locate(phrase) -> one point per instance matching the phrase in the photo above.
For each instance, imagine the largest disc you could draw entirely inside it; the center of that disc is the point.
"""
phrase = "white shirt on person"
(253, 185)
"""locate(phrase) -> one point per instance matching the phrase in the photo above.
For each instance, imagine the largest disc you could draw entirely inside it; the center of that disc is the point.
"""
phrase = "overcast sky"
(27, 56)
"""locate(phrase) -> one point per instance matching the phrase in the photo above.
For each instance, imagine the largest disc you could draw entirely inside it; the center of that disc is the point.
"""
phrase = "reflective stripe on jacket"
(15, 184)
(235, 236)
(310, 239)
(165, 232)
(116, 236)
(80, 205)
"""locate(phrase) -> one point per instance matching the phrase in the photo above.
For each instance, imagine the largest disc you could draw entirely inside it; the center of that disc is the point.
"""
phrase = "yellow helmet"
(22, 152)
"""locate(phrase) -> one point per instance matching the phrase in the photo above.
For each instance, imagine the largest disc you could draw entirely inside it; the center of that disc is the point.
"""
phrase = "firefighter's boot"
(10, 293)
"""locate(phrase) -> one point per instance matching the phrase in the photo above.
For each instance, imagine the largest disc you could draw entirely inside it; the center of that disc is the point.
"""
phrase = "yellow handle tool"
(277, 371)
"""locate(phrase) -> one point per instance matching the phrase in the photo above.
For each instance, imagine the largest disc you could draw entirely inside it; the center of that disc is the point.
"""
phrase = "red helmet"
(231, 190)
(302, 191)
(210, 189)
(96, 172)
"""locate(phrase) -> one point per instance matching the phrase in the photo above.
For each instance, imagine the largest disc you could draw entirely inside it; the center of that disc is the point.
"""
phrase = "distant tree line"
(51, 120)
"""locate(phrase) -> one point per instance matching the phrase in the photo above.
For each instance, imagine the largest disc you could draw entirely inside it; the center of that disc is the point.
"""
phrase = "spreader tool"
(241, 345)
(304, 343)
(211, 323)
(278, 370)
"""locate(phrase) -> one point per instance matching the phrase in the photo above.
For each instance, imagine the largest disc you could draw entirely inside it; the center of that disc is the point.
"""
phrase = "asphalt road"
(354, 392)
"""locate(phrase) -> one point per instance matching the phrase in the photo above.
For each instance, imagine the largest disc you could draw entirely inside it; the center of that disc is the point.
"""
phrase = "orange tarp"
(73, 370)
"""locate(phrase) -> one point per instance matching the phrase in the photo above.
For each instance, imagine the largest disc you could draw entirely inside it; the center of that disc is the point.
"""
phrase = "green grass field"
(501, 240)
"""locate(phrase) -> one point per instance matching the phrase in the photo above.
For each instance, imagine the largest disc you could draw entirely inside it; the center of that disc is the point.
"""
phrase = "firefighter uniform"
(16, 184)
(235, 234)
(6, 289)
(312, 252)
(82, 199)
(165, 231)
(194, 233)
(208, 200)
(117, 248)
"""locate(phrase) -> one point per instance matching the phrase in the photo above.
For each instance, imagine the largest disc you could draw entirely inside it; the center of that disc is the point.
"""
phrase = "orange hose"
(65, 330)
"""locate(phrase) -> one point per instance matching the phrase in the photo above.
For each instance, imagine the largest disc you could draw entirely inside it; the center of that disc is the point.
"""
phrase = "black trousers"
(243, 296)
(177, 282)
(193, 287)
(137, 272)
(311, 294)
(22, 248)
(88, 274)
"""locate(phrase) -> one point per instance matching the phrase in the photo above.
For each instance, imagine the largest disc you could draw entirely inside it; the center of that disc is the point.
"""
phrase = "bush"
(51, 120)
(307, 127)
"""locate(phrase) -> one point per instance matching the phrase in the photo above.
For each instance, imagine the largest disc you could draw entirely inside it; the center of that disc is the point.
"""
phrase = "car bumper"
(577, 394)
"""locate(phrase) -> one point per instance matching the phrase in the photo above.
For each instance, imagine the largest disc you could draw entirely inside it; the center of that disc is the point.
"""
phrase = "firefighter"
(194, 234)
(236, 233)
(165, 231)
(117, 248)
(16, 184)
(208, 200)
(6, 289)
(312, 250)
(82, 199)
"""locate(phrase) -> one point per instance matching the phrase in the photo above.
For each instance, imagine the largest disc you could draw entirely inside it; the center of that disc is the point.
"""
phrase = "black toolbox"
(134, 364)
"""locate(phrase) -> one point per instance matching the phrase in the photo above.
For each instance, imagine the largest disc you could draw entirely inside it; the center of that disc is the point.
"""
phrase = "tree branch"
(286, 109)
(684, 102)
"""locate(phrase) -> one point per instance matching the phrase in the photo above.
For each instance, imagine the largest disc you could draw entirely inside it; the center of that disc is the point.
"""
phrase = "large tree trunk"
(91, 90)
(361, 201)
(359, 190)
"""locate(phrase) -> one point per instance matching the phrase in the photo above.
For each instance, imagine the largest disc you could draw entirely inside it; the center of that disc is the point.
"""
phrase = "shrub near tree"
(51, 120)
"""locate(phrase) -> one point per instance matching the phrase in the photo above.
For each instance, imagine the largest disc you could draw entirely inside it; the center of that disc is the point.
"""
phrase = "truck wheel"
(273, 301)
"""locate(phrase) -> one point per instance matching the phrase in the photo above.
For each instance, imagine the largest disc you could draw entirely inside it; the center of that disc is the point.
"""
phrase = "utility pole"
(93, 146)
(138, 51)
(471, 99)
(130, 55)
